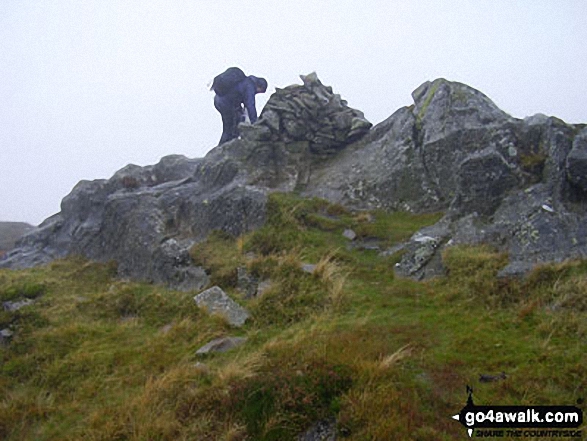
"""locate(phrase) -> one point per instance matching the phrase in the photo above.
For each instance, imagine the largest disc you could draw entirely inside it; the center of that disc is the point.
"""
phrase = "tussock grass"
(392, 359)
(97, 358)
(240, 368)
(472, 275)
(293, 296)
(333, 275)
(220, 255)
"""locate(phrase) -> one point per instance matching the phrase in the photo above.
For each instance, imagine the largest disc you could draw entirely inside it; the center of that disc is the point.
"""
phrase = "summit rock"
(518, 185)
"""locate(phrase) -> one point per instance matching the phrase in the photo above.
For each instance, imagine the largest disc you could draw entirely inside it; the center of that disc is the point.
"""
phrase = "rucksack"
(227, 80)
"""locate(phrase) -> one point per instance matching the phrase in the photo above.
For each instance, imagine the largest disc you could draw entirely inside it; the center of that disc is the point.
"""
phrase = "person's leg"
(228, 126)
(229, 121)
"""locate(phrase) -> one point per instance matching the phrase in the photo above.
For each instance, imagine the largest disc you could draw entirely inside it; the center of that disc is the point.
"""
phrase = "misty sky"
(88, 86)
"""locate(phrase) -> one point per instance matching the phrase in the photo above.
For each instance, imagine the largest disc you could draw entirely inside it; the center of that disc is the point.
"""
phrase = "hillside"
(10, 232)
(350, 346)
(318, 278)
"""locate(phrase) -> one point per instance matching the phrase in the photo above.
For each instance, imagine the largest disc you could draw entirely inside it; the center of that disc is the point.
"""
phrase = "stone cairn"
(309, 113)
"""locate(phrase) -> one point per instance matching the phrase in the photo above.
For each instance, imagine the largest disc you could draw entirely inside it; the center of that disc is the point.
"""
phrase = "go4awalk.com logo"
(520, 421)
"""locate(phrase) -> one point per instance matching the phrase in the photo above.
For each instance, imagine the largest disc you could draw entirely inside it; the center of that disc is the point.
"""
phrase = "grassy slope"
(97, 358)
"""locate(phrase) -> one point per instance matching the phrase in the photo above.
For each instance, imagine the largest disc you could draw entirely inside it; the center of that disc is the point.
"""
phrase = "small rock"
(422, 238)
(308, 268)
(485, 378)
(516, 270)
(263, 287)
(216, 301)
(246, 283)
(222, 344)
(367, 244)
(6, 333)
(5, 336)
(324, 430)
(425, 263)
(349, 234)
(394, 249)
(15, 306)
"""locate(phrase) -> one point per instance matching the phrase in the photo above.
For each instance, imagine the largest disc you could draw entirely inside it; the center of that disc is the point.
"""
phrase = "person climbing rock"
(233, 91)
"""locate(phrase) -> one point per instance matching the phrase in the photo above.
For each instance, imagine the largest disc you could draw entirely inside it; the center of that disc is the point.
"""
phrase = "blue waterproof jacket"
(243, 93)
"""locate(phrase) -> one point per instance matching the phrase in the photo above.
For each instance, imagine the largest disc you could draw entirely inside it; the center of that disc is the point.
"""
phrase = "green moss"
(22, 290)
(533, 163)
(429, 96)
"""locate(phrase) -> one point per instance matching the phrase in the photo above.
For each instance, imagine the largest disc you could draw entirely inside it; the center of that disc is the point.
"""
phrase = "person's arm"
(249, 101)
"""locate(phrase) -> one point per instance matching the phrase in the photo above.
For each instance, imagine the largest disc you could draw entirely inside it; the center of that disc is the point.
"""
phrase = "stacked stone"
(312, 113)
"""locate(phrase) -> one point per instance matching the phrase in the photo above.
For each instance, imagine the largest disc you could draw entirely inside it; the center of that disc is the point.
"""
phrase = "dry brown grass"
(334, 276)
(239, 368)
(393, 359)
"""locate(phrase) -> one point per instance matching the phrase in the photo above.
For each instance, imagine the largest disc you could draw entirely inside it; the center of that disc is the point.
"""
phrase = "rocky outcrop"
(146, 219)
(408, 162)
(10, 232)
(503, 181)
(516, 184)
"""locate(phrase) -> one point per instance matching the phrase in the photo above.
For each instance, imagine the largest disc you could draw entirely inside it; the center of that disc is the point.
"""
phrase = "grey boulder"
(222, 344)
(215, 301)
